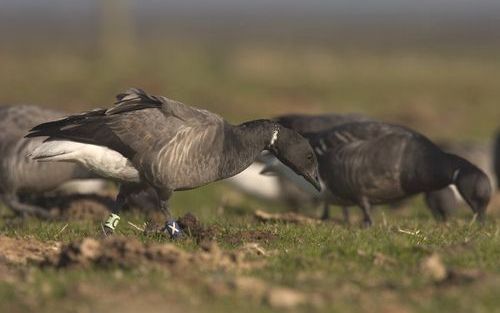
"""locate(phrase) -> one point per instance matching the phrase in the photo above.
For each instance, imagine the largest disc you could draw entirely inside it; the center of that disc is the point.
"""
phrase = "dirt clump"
(129, 252)
(115, 251)
(192, 227)
(433, 267)
(86, 209)
(75, 206)
(26, 250)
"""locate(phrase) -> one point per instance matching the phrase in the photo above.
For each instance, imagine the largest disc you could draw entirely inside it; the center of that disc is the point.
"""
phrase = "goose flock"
(146, 142)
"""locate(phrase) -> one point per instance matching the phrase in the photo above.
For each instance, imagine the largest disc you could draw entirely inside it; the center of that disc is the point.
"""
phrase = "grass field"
(405, 263)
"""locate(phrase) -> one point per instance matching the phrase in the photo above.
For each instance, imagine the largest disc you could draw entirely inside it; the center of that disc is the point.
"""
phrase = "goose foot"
(367, 223)
(172, 229)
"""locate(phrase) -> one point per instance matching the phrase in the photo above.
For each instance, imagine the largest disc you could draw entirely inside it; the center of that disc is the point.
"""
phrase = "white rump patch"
(455, 175)
(100, 160)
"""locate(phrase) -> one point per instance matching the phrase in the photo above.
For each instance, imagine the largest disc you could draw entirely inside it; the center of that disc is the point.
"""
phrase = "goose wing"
(355, 133)
(304, 123)
(136, 124)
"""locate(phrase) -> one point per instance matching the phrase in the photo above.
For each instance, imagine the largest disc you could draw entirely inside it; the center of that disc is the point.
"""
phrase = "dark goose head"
(295, 152)
(474, 187)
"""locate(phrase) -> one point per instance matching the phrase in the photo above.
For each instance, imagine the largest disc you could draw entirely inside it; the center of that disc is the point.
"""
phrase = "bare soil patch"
(129, 252)
(26, 250)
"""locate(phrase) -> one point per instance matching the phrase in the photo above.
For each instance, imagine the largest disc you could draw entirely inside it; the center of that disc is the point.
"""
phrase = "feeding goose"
(442, 202)
(146, 140)
(439, 202)
(370, 163)
(19, 175)
(279, 183)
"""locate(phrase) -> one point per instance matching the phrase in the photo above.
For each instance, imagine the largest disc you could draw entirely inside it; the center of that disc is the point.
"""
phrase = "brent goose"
(439, 202)
(279, 183)
(370, 163)
(146, 140)
(19, 175)
(442, 202)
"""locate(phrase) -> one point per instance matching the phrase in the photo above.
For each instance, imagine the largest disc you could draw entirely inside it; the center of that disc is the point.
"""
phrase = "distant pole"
(117, 29)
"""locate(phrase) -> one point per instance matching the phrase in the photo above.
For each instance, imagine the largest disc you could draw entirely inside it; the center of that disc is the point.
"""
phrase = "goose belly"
(98, 159)
(352, 175)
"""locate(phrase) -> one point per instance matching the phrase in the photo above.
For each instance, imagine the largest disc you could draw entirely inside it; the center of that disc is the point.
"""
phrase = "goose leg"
(326, 211)
(345, 213)
(165, 208)
(12, 201)
(110, 224)
(171, 227)
(440, 203)
(366, 207)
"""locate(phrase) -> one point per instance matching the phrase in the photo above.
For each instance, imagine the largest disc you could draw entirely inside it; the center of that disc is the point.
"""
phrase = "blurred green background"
(432, 65)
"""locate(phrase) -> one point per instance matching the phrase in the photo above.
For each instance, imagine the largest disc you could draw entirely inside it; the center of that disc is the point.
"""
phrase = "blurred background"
(433, 65)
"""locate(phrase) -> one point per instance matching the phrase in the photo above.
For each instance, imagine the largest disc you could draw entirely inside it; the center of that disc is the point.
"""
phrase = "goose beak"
(314, 180)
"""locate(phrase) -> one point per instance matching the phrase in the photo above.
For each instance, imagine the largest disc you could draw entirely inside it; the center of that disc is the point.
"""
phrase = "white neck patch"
(455, 175)
(274, 138)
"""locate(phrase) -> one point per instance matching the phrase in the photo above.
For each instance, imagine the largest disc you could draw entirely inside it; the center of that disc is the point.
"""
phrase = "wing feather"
(138, 126)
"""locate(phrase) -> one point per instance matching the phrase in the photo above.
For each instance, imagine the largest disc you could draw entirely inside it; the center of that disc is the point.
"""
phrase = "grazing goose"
(369, 163)
(442, 202)
(19, 174)
(439, 202)
(279, 182)
(146, 140)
